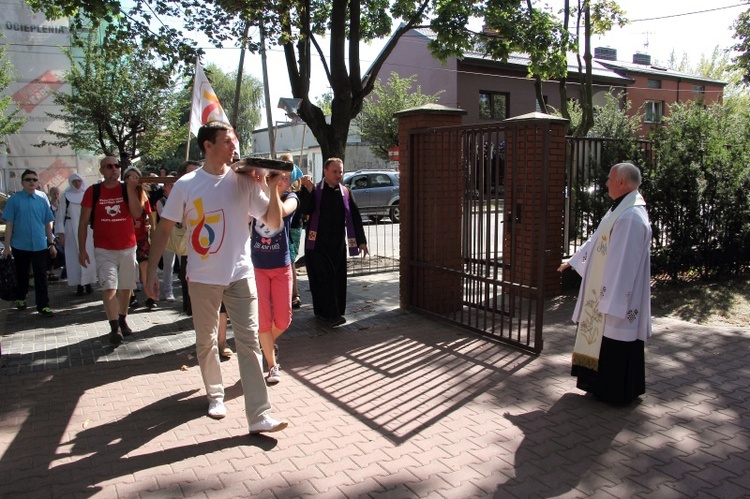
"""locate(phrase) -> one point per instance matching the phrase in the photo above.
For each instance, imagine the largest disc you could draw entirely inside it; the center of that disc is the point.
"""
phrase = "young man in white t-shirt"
(216, 202)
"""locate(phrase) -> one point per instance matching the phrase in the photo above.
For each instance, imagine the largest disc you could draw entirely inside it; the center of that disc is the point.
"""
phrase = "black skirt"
(621, 377)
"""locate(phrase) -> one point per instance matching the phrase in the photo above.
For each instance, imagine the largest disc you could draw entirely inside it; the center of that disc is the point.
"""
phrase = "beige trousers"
(241, 301)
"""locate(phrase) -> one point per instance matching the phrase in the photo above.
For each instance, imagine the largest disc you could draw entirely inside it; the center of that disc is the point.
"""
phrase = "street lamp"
(291, 107)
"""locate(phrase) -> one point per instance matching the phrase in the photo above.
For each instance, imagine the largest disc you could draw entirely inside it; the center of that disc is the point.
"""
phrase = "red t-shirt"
(140, 224)
(114, 228)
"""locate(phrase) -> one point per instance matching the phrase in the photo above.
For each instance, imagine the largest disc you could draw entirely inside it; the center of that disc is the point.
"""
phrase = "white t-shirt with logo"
(216, 210)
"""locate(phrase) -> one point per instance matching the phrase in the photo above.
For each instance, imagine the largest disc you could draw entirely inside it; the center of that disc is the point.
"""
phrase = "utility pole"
(266, 91)
(238, 86)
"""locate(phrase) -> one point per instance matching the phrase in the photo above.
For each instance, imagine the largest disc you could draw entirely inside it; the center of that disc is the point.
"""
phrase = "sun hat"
(296, 174)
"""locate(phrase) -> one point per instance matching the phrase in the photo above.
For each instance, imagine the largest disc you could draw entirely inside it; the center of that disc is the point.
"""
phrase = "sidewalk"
(393, 404)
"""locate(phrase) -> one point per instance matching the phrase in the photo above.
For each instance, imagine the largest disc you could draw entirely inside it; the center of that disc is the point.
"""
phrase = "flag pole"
(187, 146)
(190, 119)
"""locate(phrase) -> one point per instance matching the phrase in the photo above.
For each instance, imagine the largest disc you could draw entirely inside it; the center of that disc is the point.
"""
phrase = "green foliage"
(611, 120)
(296, 25)
(324, 103)
(605, 15)
(696, 181)
(509, 26)
(376, 122)
(698, 190)
(614, 139)
(574, 114)
(118, 104)
(224, 84)
(250, 102)
(137, 26)
(742, 47)
(10, 122)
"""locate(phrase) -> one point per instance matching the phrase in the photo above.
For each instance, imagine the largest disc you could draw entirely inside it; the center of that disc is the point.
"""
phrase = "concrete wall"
(411, 57)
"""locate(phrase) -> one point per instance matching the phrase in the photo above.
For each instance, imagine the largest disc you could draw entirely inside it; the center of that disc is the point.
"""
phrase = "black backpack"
(8, 284)
(97, 192)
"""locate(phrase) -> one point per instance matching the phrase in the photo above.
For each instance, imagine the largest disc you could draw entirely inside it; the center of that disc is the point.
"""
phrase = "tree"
(742, 47)
(298, 25)
(598, 17)
(10, 123)
(119, 105)
(376, 122)
(293, 24)
(251, 99)
(698, 189)
(718, 66)
(521, 26)
(324, 102)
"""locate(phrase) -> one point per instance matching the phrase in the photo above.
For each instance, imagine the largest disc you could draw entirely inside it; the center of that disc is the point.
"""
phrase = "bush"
(696, 182)
(697, 191)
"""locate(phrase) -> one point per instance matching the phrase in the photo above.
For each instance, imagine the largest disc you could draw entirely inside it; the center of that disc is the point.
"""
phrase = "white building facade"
(34, 46)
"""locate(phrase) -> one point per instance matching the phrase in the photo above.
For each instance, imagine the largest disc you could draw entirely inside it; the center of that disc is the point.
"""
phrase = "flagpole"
(187, 146)
(190, 119)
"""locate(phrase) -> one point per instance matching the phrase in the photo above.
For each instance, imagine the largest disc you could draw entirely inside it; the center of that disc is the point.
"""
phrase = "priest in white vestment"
(613, 311)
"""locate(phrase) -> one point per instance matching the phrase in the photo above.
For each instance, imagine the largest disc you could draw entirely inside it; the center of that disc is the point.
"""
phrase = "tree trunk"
(348, 86)
(587, 106)
(564, 80)
(539, 94)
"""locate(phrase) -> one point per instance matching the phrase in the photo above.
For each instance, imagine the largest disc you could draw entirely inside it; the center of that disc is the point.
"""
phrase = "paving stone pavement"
(393, 404)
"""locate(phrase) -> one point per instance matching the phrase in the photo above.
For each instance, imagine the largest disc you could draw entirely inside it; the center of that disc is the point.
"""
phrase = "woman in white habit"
(66, 226)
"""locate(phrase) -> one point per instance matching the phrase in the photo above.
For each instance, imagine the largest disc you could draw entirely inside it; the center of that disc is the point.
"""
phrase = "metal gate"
(486, 268)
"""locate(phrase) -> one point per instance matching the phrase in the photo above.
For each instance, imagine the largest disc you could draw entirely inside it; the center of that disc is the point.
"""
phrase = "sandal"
(225, 352)
(296, 302)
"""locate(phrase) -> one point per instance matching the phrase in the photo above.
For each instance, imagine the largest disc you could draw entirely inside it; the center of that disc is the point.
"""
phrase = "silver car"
(375, 192)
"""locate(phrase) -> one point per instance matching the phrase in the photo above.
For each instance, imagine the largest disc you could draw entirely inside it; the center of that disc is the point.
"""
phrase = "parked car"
(375, 192)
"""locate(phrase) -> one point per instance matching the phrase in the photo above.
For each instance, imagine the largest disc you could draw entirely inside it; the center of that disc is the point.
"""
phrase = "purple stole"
(312, 231)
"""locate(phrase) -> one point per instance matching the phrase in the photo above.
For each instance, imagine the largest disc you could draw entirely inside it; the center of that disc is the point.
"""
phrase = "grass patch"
(708, 302)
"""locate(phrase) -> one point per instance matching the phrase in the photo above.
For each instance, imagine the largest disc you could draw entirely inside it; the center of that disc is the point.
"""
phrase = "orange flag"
(206, 106)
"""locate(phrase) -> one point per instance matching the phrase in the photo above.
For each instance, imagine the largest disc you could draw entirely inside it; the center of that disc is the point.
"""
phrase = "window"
(359, 182)
(381, 180)
(654, 83)
(653, 111)
(493, 105)
(699, 89)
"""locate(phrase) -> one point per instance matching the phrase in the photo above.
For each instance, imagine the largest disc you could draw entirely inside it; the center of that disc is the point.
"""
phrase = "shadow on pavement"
(401, 381)
(46, 458)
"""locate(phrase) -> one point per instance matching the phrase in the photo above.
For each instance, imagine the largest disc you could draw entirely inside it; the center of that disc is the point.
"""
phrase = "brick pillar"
(535, 159)
(434, 170)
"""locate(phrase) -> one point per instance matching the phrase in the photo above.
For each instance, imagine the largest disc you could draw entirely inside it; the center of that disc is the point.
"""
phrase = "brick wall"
(534, 197)
(430, 167)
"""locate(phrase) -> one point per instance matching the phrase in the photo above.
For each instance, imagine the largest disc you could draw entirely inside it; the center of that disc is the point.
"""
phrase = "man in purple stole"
(334, 229)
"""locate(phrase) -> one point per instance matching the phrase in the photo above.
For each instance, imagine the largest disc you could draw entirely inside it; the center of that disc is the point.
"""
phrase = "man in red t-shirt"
(114, 242)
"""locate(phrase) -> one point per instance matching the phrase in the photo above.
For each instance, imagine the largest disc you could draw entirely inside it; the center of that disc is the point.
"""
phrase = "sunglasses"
(112, 166)
(30, 179)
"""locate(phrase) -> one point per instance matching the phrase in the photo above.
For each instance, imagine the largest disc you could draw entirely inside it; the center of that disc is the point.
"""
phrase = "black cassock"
(326, 264)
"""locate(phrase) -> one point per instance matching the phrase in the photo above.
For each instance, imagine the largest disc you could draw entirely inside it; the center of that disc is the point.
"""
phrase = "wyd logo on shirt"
(207, 234)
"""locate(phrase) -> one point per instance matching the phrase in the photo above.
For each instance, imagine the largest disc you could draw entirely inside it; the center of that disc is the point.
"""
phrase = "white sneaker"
(217, 409)
(169, 297)
(266, 424)
(274, 374)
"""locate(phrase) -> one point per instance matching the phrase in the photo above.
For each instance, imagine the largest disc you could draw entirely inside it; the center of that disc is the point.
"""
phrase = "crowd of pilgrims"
(66, 208)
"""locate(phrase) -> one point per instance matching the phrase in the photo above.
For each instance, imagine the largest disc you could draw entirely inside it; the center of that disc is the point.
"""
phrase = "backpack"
(97, 190)
(8, 284)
